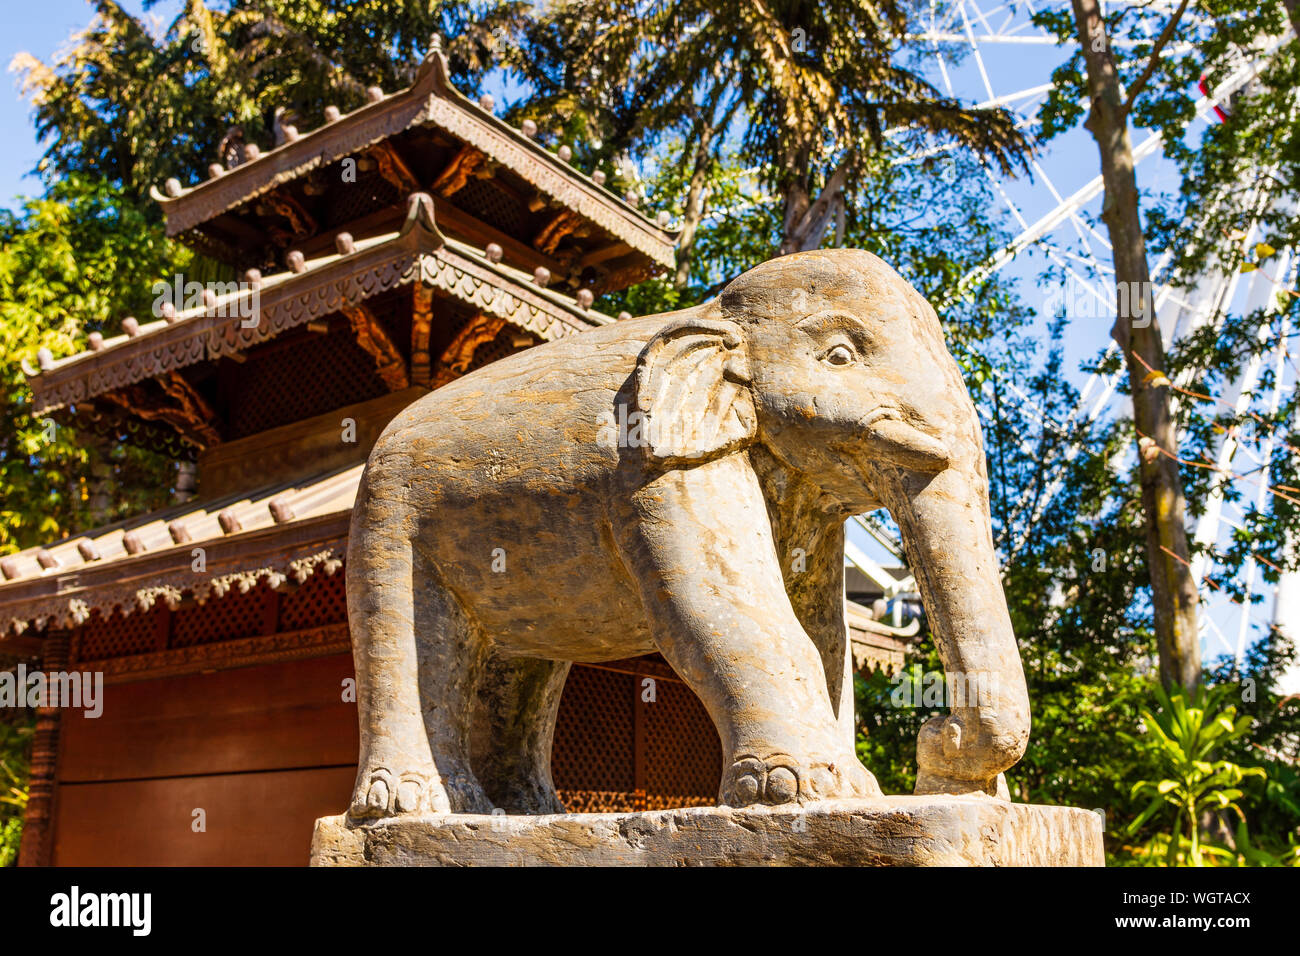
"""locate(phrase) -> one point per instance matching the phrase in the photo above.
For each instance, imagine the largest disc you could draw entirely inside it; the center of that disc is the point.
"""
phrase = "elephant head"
(837, 367)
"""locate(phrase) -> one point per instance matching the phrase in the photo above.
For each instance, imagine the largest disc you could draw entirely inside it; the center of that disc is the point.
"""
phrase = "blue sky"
(41, 29)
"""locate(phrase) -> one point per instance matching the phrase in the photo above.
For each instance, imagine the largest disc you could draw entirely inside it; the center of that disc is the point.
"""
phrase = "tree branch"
(1161, 40)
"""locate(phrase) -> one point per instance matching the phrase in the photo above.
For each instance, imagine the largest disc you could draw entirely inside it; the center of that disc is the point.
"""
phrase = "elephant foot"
(382, 792)
(781, 778)
(928, 782)
(966, 752)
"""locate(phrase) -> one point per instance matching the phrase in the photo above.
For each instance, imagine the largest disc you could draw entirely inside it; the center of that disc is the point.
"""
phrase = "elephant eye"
(840, 355)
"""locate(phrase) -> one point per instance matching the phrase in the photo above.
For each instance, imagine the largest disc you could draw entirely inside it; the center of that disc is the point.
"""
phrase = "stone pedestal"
(885, 831)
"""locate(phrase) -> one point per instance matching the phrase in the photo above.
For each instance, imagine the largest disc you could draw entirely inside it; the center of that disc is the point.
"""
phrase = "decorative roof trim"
(431, 100)
(419, 252)
(136, 583)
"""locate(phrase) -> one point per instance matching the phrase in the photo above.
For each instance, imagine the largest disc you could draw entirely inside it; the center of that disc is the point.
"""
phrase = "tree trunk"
(706, 130)
(1293, 13)
(806, 220)
(1173, 591)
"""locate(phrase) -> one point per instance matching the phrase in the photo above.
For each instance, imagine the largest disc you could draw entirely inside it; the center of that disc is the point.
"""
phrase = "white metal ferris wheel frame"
(966, 25)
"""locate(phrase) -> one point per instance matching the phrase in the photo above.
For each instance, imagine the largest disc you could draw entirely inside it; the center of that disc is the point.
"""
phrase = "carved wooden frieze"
(223, 655)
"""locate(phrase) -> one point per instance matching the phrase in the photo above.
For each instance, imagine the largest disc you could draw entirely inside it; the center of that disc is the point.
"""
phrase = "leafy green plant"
(1184, 736)
(15, 742)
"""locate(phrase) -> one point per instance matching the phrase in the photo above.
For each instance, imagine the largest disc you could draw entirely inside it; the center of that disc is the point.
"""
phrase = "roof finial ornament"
(282, 125)
(420, 211)
(231, 150)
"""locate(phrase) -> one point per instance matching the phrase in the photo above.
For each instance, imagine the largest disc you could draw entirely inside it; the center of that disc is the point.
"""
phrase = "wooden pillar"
(37, 847)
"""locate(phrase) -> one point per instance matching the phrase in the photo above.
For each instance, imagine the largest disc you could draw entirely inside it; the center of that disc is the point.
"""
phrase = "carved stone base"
(885, 831)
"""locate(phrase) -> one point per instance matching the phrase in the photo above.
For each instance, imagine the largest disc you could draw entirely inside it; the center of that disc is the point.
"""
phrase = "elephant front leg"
(700, 544)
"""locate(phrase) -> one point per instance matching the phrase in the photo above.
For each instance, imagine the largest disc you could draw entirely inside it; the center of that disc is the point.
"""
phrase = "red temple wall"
(264, 750)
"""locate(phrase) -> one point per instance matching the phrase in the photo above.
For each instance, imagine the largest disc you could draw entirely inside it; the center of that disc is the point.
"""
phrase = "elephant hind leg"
(451, 653)
(396, 772)
(514, 727)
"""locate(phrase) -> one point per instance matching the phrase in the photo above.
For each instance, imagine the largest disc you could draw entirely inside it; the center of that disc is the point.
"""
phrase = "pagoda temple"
(381, 255)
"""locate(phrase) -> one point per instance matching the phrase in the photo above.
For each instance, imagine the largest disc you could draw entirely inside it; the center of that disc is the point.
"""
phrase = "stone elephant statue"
(677, 483)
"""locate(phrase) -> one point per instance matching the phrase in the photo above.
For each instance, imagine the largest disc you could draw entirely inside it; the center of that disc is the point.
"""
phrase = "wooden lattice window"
(234, 615)
(615, 752)
(306, 375)
(119, 635)
(322, 599)
(488, 202)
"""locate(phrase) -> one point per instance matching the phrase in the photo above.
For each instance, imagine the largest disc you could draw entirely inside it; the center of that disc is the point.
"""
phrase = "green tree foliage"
(77, 261)
(16, 728)
(802, 92)
(1184, 739)
(125, 105)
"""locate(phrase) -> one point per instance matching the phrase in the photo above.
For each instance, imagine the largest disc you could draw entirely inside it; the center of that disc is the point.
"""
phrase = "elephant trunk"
(944, 519)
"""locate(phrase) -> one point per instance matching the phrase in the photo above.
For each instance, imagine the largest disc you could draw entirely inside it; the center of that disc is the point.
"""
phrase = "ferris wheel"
(992, 53)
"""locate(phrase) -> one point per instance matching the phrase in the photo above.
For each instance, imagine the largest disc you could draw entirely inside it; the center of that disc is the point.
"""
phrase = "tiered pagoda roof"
(498, 183)
(387, 252)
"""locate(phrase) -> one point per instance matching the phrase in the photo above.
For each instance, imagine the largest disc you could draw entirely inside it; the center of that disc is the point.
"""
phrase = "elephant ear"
(692, 388)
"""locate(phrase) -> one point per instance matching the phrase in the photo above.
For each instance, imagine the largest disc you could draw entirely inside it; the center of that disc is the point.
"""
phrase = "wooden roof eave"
(418, 253)
(66, 598)
(431, 100)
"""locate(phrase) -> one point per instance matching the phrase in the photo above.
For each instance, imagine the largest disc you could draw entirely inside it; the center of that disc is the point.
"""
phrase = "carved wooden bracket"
(465, 165)
(372, 337)
(624, 276)
(301, 222)
(192, 416)
(563, 223)
(459, 355)
(394, 169)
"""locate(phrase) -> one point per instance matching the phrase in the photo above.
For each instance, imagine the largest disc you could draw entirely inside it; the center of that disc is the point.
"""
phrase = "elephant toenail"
(782, 786)
(408, 796)
(377, 799)
(746, 789)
